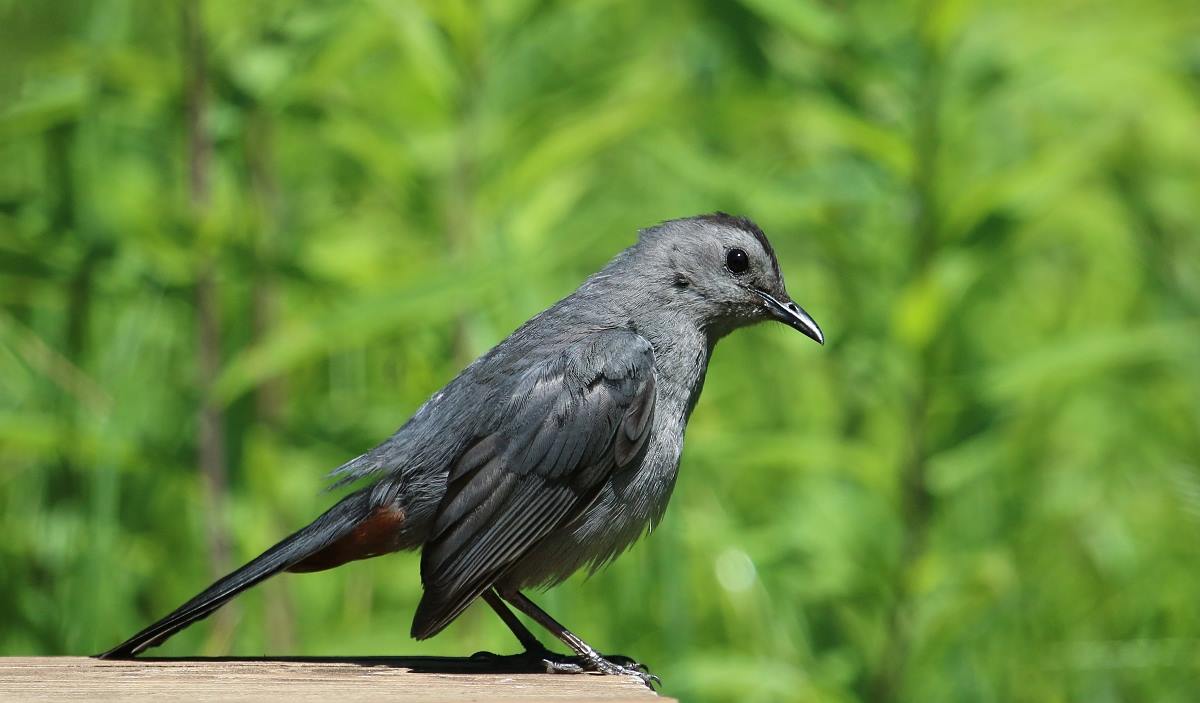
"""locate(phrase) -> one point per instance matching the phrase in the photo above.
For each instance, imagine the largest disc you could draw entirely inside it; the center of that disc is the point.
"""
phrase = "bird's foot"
(553, 663)
(613, 665)
(624, 666)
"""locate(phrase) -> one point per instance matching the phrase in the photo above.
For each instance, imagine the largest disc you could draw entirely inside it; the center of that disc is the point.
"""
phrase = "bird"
(552, 452)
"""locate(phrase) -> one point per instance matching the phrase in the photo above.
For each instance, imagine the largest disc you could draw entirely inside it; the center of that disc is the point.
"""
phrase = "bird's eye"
(737, 261)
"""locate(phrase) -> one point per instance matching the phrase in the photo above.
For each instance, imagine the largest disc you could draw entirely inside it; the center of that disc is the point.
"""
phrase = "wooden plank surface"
(300, 679)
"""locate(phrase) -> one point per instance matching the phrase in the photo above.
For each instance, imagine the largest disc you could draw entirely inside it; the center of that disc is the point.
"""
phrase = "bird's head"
(723, 269)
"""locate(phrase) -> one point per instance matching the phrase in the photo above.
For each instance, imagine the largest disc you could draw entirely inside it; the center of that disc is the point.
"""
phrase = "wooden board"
(299, 679)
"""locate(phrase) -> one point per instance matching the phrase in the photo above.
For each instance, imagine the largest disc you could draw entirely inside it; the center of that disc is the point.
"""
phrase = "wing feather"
(569, 423)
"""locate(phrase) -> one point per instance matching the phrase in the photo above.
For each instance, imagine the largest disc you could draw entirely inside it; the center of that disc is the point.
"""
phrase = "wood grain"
(299, 679)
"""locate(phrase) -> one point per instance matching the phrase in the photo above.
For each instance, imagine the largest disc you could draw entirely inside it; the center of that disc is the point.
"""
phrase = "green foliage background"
(985, 487)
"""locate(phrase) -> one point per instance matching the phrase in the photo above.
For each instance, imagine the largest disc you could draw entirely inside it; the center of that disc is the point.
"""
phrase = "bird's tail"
(329, 540)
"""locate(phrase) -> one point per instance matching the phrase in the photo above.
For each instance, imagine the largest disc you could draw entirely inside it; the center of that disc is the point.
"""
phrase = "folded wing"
(570, 423)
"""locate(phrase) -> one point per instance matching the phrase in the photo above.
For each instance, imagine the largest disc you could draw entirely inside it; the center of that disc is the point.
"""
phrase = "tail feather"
(335, 523)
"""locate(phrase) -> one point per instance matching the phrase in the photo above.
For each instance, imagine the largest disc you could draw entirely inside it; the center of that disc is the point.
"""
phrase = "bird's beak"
(792, 315)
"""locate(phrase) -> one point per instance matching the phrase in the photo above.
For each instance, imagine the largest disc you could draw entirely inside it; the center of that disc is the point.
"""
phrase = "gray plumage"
(555, 450)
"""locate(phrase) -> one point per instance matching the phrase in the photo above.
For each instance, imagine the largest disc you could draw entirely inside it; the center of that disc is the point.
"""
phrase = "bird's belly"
(628, 505)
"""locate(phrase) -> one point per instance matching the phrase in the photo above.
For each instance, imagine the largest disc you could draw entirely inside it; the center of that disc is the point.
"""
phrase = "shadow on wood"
(505, 664)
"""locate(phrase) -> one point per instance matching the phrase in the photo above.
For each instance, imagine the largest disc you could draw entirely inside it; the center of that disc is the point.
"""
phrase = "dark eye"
(737, 261)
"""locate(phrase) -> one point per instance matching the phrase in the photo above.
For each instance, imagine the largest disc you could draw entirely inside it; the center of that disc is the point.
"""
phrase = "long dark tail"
(328, 534)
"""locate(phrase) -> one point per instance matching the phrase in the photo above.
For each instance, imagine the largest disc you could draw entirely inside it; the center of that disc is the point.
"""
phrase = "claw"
(609, 665)
(648, 680)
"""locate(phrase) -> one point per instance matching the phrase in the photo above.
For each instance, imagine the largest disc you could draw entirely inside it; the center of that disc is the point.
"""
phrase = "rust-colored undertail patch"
(378, 534)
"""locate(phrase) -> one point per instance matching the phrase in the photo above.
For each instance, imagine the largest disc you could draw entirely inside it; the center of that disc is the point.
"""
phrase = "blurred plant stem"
(916, 501)
(210, 448)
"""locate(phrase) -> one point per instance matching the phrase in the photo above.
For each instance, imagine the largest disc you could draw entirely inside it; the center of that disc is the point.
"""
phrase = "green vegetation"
(985, 487)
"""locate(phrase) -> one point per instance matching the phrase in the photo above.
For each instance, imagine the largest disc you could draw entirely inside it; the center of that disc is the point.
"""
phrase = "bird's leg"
(518, 628)
(535, 655)
(590, 658)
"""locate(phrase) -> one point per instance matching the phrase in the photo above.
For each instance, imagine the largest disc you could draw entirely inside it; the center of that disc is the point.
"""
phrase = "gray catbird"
(553, 451)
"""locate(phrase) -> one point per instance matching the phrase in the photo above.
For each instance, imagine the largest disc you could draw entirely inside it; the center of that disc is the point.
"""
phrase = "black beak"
(792, 315)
